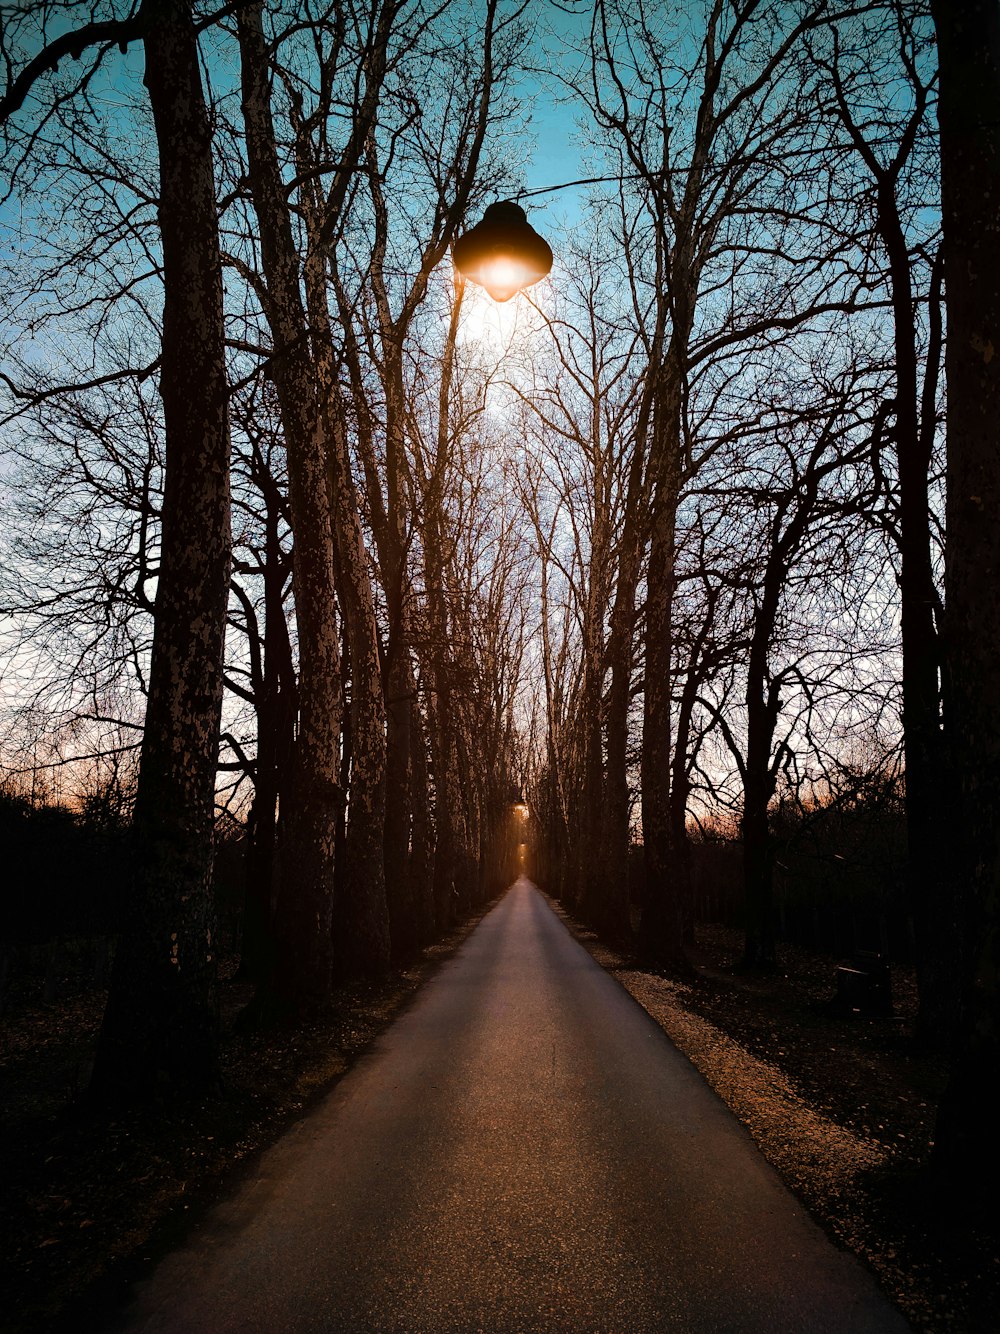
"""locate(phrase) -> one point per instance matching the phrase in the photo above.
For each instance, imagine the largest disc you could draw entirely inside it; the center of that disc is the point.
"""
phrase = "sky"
(556, 157)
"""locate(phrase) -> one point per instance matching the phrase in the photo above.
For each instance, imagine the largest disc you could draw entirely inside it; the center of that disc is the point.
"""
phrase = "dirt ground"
(843, 1108)
(88, 1201)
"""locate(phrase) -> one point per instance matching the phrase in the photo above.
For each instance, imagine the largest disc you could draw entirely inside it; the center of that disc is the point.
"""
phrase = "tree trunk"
(616, 839)
(422, 858)
(160, 1029)
(936, 926)
(400, 686)
(346, 758)
(441, 666)
(967, 1150)
(758, 778)
(303, 947)
(446, 810)
(616, 907)
(399, 691)
(661, 927)
(680, 791)
(362, 917)
(467, 864)
(934, 917)
(592, 884)
(276, 711)
(758, 948)
(362, 935)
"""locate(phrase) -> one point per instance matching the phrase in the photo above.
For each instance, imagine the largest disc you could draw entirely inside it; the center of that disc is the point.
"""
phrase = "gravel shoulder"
(843, 1108)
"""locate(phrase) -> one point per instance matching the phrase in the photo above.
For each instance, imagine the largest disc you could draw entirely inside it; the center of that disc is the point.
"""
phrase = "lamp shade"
(503, 253)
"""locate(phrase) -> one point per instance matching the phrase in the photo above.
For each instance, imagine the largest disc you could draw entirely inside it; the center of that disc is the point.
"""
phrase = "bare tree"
(711, 184)
(384, 282)
(581, 397)
(162, 1011)
(303, 965)
(895, 151)
(260, 669)
(161, 1022)
(802, 513)
(81, 551)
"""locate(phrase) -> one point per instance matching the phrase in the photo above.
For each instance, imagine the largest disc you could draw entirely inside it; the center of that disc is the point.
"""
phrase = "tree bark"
(616, 839)
(593, 887)
(160, 1029)
(442, 713)
(680, 780)
(361, 918)
(400, 686)
(934, 918)
(935, 924)
(276, 710)
(967, 1150)
(758, 776)
(422, 860)
(615, 909)
(758, 789)
(302, 974)
(661, 926)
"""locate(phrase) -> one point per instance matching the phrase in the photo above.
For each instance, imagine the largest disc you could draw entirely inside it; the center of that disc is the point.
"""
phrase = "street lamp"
(503, 253)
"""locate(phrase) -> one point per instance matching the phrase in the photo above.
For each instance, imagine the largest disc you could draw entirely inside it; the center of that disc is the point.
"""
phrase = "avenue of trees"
(303, 539)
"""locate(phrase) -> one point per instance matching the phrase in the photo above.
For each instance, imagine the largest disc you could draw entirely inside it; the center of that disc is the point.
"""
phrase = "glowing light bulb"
(503, 277)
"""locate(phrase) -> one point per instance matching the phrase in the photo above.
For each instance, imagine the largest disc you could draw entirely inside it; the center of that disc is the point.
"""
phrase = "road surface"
(523, 1150)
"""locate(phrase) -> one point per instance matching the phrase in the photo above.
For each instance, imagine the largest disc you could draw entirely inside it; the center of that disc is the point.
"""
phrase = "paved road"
(523, 1150)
